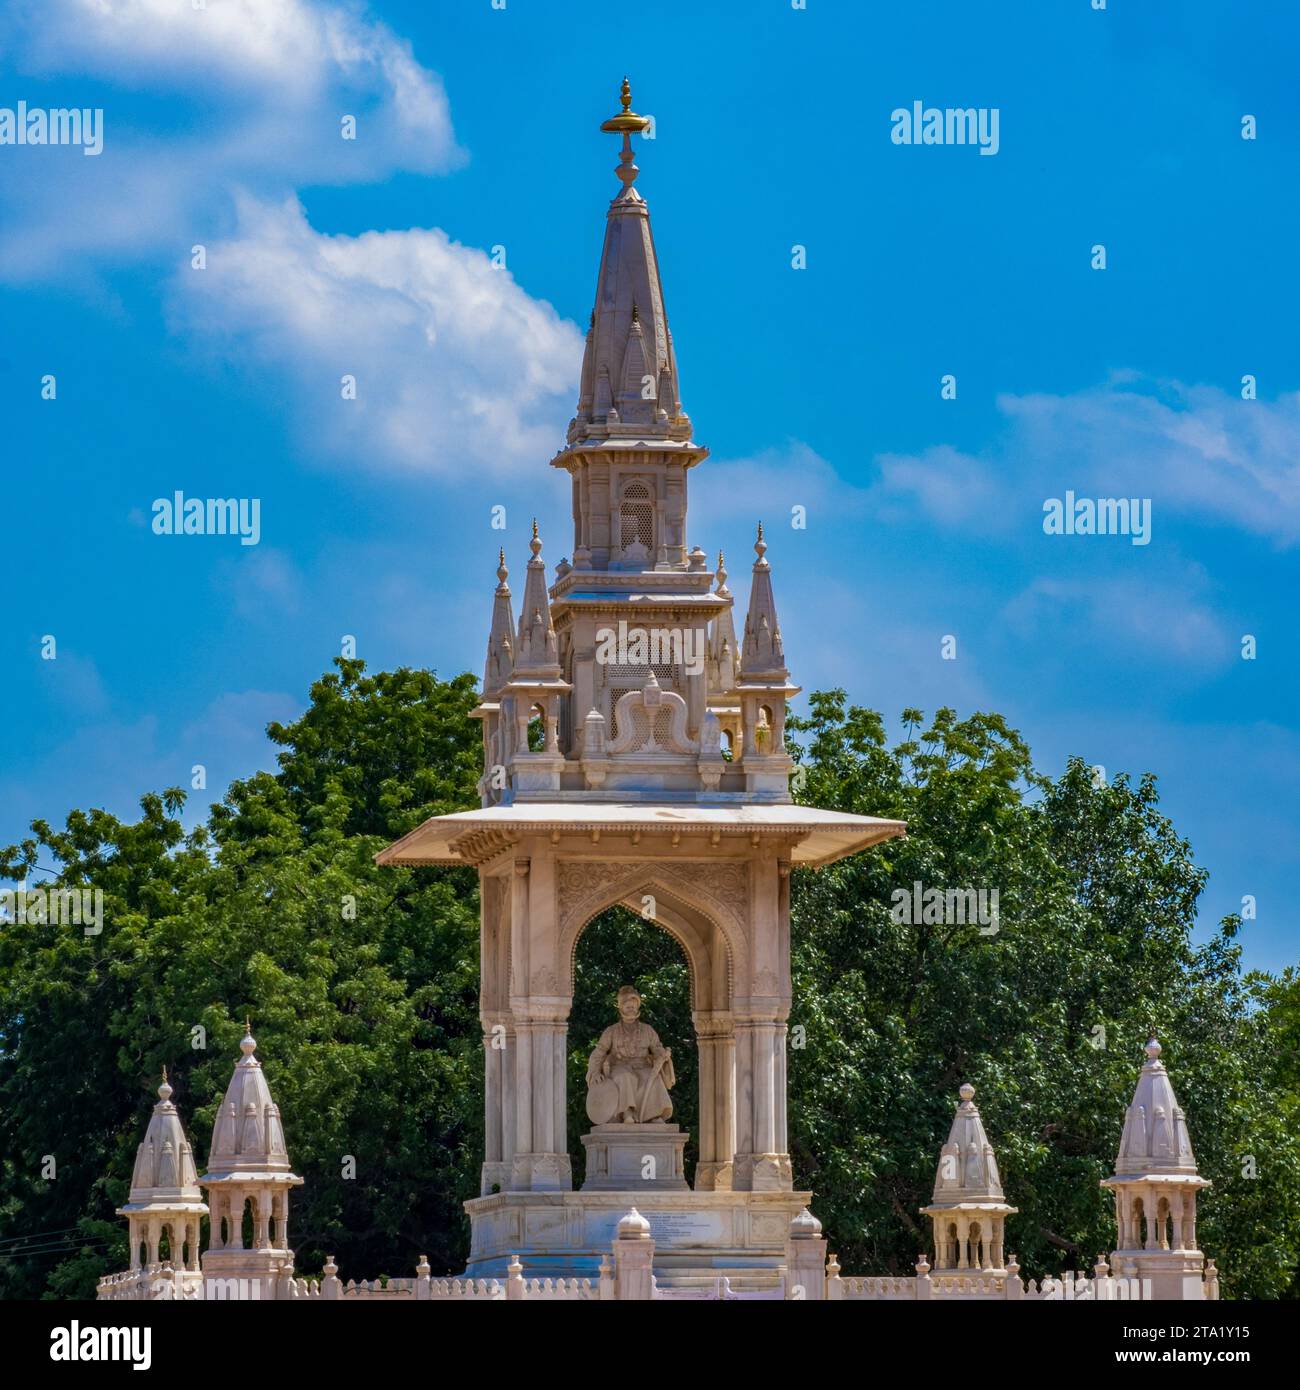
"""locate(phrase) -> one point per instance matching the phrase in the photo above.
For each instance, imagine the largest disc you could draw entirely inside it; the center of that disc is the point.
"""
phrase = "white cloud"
(456, 367)
(953, 488)
(255, 94)
(264, 583)
(1151, 615)
(765, 486)
(1199, 452)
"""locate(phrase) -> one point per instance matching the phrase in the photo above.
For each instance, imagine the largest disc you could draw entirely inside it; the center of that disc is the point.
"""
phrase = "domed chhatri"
(248, 1180)
(165, 1205)
(968, 1210)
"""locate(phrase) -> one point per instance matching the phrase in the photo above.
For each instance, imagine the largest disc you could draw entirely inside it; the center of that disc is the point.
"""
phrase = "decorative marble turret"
(764, 685)
(248, 1173)
(500, 662)
(631, 660)
(1155, 1187)
(165, 1195)
(968, 1208)
(535, 687)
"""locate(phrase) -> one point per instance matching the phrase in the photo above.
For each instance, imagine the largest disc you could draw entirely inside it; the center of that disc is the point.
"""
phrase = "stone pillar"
(779, 1089)
(634, 1254)
(707, 1168)
(493, 1103)
(521, 1169)
(235, 1218)
(717, 1141)
(761, 1165)
(262, 1220)
(743, 1170)
(280, 1211)
(559, 1085)
(805, 1259)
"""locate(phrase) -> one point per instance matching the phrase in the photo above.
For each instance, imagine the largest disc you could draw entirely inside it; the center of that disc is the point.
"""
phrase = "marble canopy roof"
(822, 836)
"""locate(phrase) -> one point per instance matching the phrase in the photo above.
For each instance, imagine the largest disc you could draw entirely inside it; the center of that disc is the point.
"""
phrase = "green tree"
(362, 987)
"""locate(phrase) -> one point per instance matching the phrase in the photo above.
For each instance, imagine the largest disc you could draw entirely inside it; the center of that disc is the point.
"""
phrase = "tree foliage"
(362, 984)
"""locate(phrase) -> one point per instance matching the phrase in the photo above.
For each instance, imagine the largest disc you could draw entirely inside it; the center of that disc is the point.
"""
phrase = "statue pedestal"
(635, 1158)
(697, 1234)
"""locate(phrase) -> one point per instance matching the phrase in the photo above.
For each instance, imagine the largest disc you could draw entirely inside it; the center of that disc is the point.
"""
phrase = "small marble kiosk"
(657, 777)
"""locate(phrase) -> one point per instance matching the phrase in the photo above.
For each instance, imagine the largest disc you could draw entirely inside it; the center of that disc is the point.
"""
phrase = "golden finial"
(627, 122)
(164, 1073)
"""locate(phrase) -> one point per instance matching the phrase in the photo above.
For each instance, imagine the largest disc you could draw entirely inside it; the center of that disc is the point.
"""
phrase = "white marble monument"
(662, 783)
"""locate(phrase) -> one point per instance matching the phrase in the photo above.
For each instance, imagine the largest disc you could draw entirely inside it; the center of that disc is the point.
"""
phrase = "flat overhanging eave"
(818, 837)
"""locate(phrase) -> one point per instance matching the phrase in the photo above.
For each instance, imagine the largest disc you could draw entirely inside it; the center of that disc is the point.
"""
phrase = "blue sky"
(477, 128)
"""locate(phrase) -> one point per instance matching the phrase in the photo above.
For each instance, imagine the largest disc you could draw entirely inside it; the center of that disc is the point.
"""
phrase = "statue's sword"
(649, 1081)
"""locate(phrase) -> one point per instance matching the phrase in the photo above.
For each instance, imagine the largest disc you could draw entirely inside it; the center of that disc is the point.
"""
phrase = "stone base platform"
(740, 1234)
(640, 1158)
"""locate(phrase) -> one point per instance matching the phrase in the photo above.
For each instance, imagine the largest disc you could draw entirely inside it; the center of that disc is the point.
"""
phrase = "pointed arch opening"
(621, 947)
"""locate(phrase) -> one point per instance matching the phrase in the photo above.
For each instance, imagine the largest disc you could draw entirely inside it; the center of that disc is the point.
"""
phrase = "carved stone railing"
(973, 1286)
(808, 1275)
(149, 1282)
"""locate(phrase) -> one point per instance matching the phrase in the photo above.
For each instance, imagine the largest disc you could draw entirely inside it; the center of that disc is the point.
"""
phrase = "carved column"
(762, 1163)
(493, 1099)
(540, 1160)
(717, 1047)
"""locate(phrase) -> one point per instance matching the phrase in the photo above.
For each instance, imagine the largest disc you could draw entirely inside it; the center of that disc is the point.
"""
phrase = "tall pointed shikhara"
(627, 668)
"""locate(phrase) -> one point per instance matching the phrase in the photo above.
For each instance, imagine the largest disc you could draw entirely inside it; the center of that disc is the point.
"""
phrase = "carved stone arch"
(587, 889)
(696, 933)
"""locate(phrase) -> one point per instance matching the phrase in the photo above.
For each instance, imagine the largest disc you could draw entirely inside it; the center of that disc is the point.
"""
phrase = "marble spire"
(536, 654)
(501, 639)
(1155, 1138)
(247, 1136)
(164, 1162)
(762, 656)
(629, 369)
(968, 1208)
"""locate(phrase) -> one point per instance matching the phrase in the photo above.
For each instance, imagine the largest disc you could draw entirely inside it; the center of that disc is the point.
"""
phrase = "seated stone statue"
(630, 1071)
